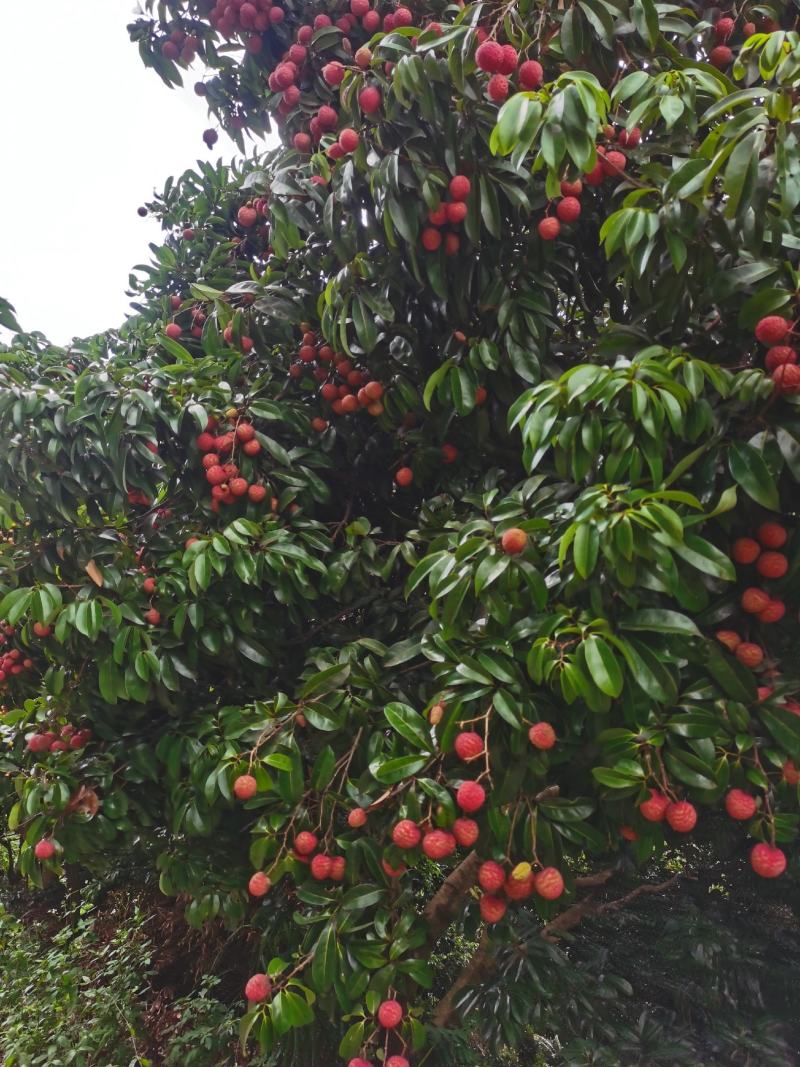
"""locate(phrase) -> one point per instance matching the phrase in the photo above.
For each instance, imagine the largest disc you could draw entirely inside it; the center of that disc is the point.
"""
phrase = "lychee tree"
(435, 515)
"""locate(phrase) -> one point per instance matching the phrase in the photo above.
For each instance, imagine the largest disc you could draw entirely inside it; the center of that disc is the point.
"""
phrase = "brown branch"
(441, 909)
(479, 967)
(570, 918)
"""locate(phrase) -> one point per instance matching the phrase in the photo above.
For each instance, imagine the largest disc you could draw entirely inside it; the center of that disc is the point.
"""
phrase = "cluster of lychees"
(760, 551)
(450, 213)
(13, 661)
(724, 29)
(222, 474)
(781, 358)
(344, 387)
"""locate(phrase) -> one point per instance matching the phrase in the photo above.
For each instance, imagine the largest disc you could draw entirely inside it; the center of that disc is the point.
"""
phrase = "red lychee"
(749, 655)
(491, 876)
(437, 844)
(44, 849)
(549, 228)
(772, 565)
(258, 988)
(542, 735)
(245, 787)
(682, 816)
(513, 541)
(489, 57)
(549, 884)
(568, 209)
(767, 861)
(259, 884)
(655, 807)
(320, 867)
(404, 476)
(305, 842)
(772, 535)
(772, 329)
(740, 805)
(745, 550)
(492, 908)
(470, 796)
(390, 1014)
(468, 746)
(754, 600)
(531, 74)
(406, 834)
(466, 832)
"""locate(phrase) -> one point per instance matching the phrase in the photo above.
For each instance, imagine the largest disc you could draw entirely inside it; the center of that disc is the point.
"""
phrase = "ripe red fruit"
(404, 476)
(542, 735)
(333, 73)
(720, 57)
(357, 1060)
(44, 849)
(768, 861)
(481, 396)
(437, 844)
(549, 229)
(215, 475)
(245, 431)
(531, 74)
(655, 807)
(369, 99)
(348, 139)
(393, 872)
(455, 212)
(320, 867)
(568, 209)
(749, 655)
(510, 59)
(596, 176)
(772, 329)
(729, 638)
(247, 216)
(723, 28)
(259, 884)
(614, 163)
(520, 888)
(188, 233)
(466, 832)
(390, 1014)
(210, 459)
(628, 833)
(459, 187)
(302, 142)
(745, 550)
(397, 1061)
(305, 842)
(452, 244)
(740, 805)
(791, 774)
(245, 787)
(748, 29)
(492, 908)
(754, 600)
(573, 189)
(238, 486)
(258, 988)
(256, 493)
(319, 425)
(173, 330)
(470, 796)
(406, 834)
(514, 541)
(149, 585)
(772, 535)
(439, 216)
(497, 89)
(489, 57)
(491, 876)
(549, 884)
(206, 442)
(42, 629)
(787, 379)
(153, 617)
(779, 355)
(468, 746)
(772, 565)
(431, 239)
(449, 453)
(773, 612)
(682, 816)
(357, 817)
(338, 864)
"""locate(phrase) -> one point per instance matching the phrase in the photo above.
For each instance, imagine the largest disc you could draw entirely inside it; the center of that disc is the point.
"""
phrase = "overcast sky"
(87, 135)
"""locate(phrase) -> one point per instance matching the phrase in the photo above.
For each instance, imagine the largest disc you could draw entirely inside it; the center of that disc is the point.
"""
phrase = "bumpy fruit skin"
(776, 357)
(723, 28)
(520, 888)
(153, 617)
(790, 773)
(613, 163)
(258, 988)
(258, 885)
(338, 865)
(369, 100)
(772, 329)
(256, 493)
(740, 805)
(729, 638)
(349, 139)
(245, 787)
(772, 565)
(768, 861)
(754, 600)
(456, 212)
(745, 550)
(497, 89)
(247, 216)
(720, 57)
(513, 541)
(489, 57)
(568, 209)
(321, 867)
(356, 818)
(438, 844)
(682, 816)
(460, 187)
(549, 229)
(404, 476)
(773, 612)
(749, 655)
(549, 884)
(787, 379)
(492, 908)
(173, 331)
(531, 74)
(406, 834)
(466, 832)
(44, 849)
(393, 872)
(358, 1062)
(431, 239)
(390, 1014)
(470, 796)
(397, 1061)
(542, 735)
(468, 746)
(491, 876)
(305, 842)
(772, 535)
(655, 808)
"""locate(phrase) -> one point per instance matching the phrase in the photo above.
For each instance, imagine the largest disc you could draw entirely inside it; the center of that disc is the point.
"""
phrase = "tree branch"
(443, 906)
(479, 967)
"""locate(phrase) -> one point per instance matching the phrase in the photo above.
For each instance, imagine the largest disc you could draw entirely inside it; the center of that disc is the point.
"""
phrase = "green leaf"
(395, 770)
(409, 724)
(659, 620)
(585, 548)
(326, 959)
(362, 896)
(603, 666)
(751, 472)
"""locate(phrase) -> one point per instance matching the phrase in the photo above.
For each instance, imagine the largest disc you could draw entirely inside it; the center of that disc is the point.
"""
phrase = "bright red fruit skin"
(768, 861)
(740, 805)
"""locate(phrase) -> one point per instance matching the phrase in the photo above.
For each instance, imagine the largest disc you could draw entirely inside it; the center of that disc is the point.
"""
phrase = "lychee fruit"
(245, 787)
(491, 876)
(772, 564)
(773, 612)
(459, 187)
(404, 476)
(772, 329)
(305, 842)
(258, 988)
(466, 832)
(745, 550)
(369, 100)
(489, 57)
(470, 796)
(772, 535)
(549, 228)
(468, 746)
(390, 1014)
(513, 541)
(749, 655)
(767, 860)
(654, 809)
(568, 209)
(720, 57)
(437, 844)
(406, 834)
(542, 735)
(44, 849)
(740, 805)
(320, 867)
(682, 816)
(787, 379)
(530, 74)
(729, 638)
(492, 908)
(356, 818)
(754, 600)
(549, 884)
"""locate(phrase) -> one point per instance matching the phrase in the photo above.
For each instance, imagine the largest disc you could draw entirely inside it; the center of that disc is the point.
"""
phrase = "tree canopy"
(422, 552)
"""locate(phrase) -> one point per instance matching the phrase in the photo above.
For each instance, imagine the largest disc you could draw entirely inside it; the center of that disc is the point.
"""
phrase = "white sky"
(87, 135)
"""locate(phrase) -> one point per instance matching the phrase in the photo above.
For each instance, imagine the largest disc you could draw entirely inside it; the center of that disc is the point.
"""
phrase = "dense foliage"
(437, 510)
